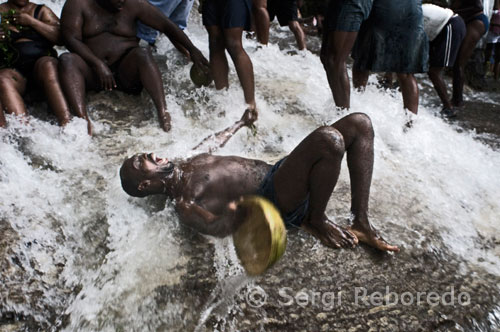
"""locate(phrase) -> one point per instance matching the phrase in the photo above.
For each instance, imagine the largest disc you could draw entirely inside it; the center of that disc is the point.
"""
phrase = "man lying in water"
(206, 188)
(101, 34)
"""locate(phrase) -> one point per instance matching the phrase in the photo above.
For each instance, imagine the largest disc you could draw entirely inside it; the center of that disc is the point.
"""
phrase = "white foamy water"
(60, 191)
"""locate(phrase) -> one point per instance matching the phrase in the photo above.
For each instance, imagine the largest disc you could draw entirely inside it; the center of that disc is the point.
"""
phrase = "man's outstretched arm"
(219, 139)
(208, 223)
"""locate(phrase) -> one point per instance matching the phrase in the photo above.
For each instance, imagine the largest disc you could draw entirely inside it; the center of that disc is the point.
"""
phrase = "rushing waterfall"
(78, 254)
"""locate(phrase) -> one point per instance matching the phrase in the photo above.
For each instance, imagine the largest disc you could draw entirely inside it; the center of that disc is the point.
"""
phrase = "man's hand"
(105, 76)
(249, 117)
(200, 61)
(165, 121)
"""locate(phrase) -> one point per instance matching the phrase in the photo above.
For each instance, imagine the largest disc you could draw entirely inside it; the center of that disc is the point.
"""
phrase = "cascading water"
(78, 254)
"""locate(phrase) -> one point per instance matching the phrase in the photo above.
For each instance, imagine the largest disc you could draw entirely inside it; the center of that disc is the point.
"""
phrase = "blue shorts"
(227, 13)
(266, 189)
(176, 10)
(483, 18)
(347, 15)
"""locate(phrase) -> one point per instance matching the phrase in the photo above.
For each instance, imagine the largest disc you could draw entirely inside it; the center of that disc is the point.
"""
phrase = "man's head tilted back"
(144, 174)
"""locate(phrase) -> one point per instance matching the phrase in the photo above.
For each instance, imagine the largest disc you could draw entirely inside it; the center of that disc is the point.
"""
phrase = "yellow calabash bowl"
(260, 241)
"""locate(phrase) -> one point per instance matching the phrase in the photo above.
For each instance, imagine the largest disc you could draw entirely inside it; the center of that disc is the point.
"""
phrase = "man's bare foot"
(330, 234)
(371, 237)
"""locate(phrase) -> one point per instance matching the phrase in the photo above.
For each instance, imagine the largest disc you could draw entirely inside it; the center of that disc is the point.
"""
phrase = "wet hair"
(130, 183)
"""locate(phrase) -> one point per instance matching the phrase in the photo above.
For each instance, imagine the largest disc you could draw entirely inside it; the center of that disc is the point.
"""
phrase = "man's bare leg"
(475, 31)
(440, 86)
(313, 167)
(357, 132)
(75, 76)
(219, 67)
(242, 62)
(12, 87)
(299, 34)
(139, 67)
(337, 46)
(409, 89)
(261, 17)
(359, 78)
(47, 76)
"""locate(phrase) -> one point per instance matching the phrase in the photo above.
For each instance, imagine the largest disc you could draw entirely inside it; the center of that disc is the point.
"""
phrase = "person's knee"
(143, 55)
(362, 123)
(234, 46)
(5, 81)
(68, 62)
(329, 140)
(294, 26)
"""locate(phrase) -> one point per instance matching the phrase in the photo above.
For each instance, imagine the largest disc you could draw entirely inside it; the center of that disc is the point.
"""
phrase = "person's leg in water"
(475, 30)
(496, 67)
(440, 86)
(76, 76)
(46, 75)
(3, 122)
(357, 132)
(219, 67)
(319, 156)
(242, 63)
(261, 17)
(336, 47)
(12, 88)
(409, 90)
(138, 68)
(299, 34)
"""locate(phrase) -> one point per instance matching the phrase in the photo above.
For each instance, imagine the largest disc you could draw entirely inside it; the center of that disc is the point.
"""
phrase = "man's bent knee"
(329, 139)
(362, 122)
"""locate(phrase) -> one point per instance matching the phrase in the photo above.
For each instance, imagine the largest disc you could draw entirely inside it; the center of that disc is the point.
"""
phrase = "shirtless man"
(101, 34)
(207, 188)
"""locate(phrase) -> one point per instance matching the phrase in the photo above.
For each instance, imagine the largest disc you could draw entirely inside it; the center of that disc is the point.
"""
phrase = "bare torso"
(108, 34)
(214, 181)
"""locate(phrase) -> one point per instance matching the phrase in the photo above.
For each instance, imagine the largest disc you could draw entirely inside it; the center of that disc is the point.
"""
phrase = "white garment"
(435, 18)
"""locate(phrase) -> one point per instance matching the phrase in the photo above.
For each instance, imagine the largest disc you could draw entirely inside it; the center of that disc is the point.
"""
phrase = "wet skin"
(13, 84)
(207, 188)
(99, 33)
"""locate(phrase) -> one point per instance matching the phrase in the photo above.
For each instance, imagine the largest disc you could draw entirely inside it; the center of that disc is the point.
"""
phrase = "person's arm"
(72, 26)
(218, 140)
(47, 25)
(195, 216)
(153, 17)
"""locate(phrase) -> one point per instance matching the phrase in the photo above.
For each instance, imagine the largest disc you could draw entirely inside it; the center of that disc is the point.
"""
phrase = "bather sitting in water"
(28, 58)
(207, 188)
(101, 34)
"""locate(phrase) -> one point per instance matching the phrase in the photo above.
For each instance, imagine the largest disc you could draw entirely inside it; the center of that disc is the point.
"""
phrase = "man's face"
(149, 164)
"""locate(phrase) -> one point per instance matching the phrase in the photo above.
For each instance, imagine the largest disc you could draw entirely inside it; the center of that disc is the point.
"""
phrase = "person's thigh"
(291, 180)
(72, 63)
(128, 76)
(12, 78)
